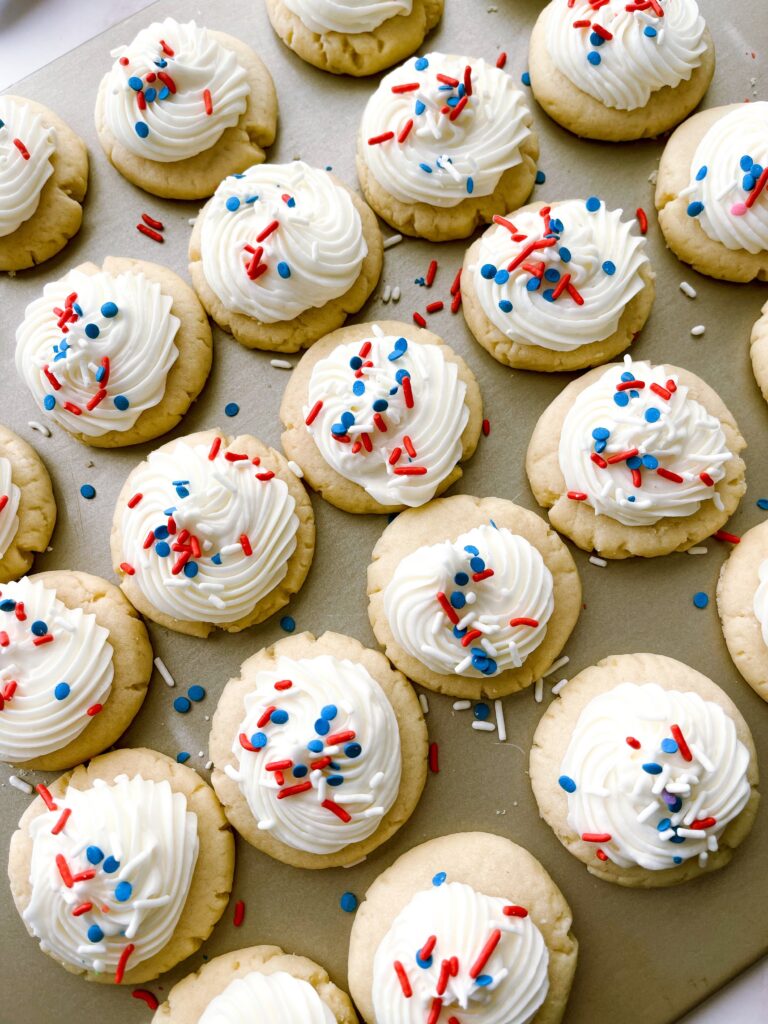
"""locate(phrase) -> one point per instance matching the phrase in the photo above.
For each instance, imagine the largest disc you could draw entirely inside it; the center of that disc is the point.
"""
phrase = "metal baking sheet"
(646, 957)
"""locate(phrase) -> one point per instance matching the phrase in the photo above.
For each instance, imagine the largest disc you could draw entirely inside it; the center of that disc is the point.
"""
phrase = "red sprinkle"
(596, 837)
(214, 448)
(94, 709)
(402, 977)
(501, 60)
(21, 148)
(267, 231)
(730, 538)
(40, 640)
(207, 101)
(485, 953)
(667, 474)
(456, 302)
(431, 272)
(703, 823)
(447, 607)
(82, 908)
(434, 758)
(61, 822)
(146, 997)
(134, 501)
(410, 470)
(300, 787)
(577, 496)
(127, 569)
(524, 621)
(407, 391)
(313, 412)
(405, 131)
(166, 49)
(45, 796)
(66, 874)
(601, 855)
(375, 140)
(419, 319)
(642, 220)
(156, 224)
(124, 958)
(486, 428)
(150, 233)
(334, 808)
(239, 914)
(515, 911)
(435, 307)
(685, 750)
(166, 79)
(405, 87)
(456, 282)
(245, 544)
(635, 744)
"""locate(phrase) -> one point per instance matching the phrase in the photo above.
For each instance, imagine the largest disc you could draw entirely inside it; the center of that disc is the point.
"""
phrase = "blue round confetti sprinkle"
(191, 570)
(231, 409)
(677, 839)
(335, 780)
(94, 933)
(609, 267)
(650, 462)
(566, 782)
(355, 362)
(621, 398)
(182, 705)
(94, 855)
(142, 130)
(459, 633)
(300, 770)
(329, 712)
(471, 549)
(259, 740)
(424, 964)
(757, 170)
(232, 204)
(279, 717)
(593, 203)
(476, 564)
(652, 415)
(121, 402)
(488, 271)
(358, 388)
(461, 579)
(183, 756)
(483, 979)
(601, 434)
(426, 168)
(39, 628)
(552, 274)
(92, 331)
(595, 39)
(283, 269)
(49, 402)
(700, 599)
(150, 95)
(347, 419)
(439, 878)
(470, 185)
(123, 891)
(348, 902)
(135, 83)
(652, 768)
(502, 276)
(457, 599)
(419, 108)
(540, 177)
(634, 462)
(650, 31)
(421, 64)
(7, 605)
(196, 693)
(762, 503)
(380, 405)
(339, 429)
(109, 309)
(481, 711)
(746, 162)
(322, 728)
(490, 667)
(695, 208)
(564, 254)
(627, 376)
(669, 746)
(664, 824)
(533, 284)
(88, 491)
(111, 865)
(549, 294)
(287, 623)
(748, 182)
(701, 173)
(315, 746)
(163, 548)
(525, 78)
(505, 306)
(161, 532)
(61, 691)
(353, 750)
(677, 860)
(594, 58)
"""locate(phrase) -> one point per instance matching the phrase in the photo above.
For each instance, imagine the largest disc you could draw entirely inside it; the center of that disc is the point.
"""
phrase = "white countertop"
(35, 32)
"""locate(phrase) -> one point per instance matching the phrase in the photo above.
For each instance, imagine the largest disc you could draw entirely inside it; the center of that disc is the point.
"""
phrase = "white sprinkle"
(556, 665)
(462, 705)
(648, 811)
(392, 240)
(688, 289)
(281, 364)
(191, 221)
(698, 330)
(424, 703)
(652, 177)
(19, 784)
(697, 551)
(501, 725)
(595, 560)
(161, 668)
(538, 691)
(559, 686)
(484, 726)
(295, 468)
(208, 765)
(266, 824)
(40, 427)
(396, 293)
(387, 295)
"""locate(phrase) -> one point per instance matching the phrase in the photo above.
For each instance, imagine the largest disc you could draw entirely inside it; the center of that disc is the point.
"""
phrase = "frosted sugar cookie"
(212, 531)
(43, 180)
(122, 867)
(742, 601)
(287, 989)
(115, 355)
(27, 505)
(635, 459)
(465, 926)
(182, 107)
(330, 726)
(646, 771)
(558, 286)
(472, 596)
(618, 70)
(711, 192)
(379, 416)
(446, 142)
(350, 38)
(75, 662)
(282, 254)
(758, 350)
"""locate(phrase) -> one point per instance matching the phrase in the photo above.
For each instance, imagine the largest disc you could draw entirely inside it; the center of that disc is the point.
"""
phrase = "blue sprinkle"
(94, 933)
(677, 860)
(347, 419)
(748, 182)
(182, 705)
(594, 58)
(315, 746)
(232, 204)
(540, 177)
(419, 108)
(669, 746)
(552, 274)
(694, 208)
(650, 462)
(627, 376)
(61, 691)
(664, 824)
(457, 599)
(163, 548)
(348, 902)
(191, 570)
(652, 768)
(488, 271)
(621, 398)
(556, 225)
(94, 855)
(335, 780)
(401, 347)
(135, 83)
(358, 388)
(566, 782)
(183, 756)
(300, 770)
(746, 162)
(88, 491)
(505, 306)
(757, 170)
(425, 167)
(677, 839)
(380, 405)
(121, 402)
(424, 964)
(700, 599)
(111, 865)
(216, 559)
(161, 532)
(288, 623)
(483, 979)
(533, 284)
(650, 31)
(502, 276)
(481, 711)
(439, 878)
(353, 750)
(329, 712)
(490, 667)
(595, 39)
(461, 579)
(421, 64)
(459, 633)
(259, 740)
(762, 503)
(279, 716)
(165, 92)
(471, 549)
(652, 415)
(109, 309)
(338, 429)
(564, 254)
(196, 693)
(609, 267)
(525, 78)
(7, 605)
(476, 564)
(634, 462)
(150, 95)
(470, 185)
(142, 130)
(92, 331)
(322, 728)
(39, 628)
(49, 402)
(601, 434)
(355, 362)
(631, 497)
(593, 203)
(701, 173)
(123, 891)
(231, 409)
(283, 269)
(549, 294)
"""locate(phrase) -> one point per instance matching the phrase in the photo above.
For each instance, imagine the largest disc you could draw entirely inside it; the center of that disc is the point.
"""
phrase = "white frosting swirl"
(26, 148)
(141, 843)
(368, 421)
(760, 600)
(669, 451)
(346, 784)
(728, 190)
(278, 998)
(655, 801)
(55, 686)
(348, 16)
(173, 91)
(453, 623)
(530, 304)
(506, 987)
(239, 516)
(294, 221)
(445, 156)
(79, 322)
(9, 513)
(649, 46)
